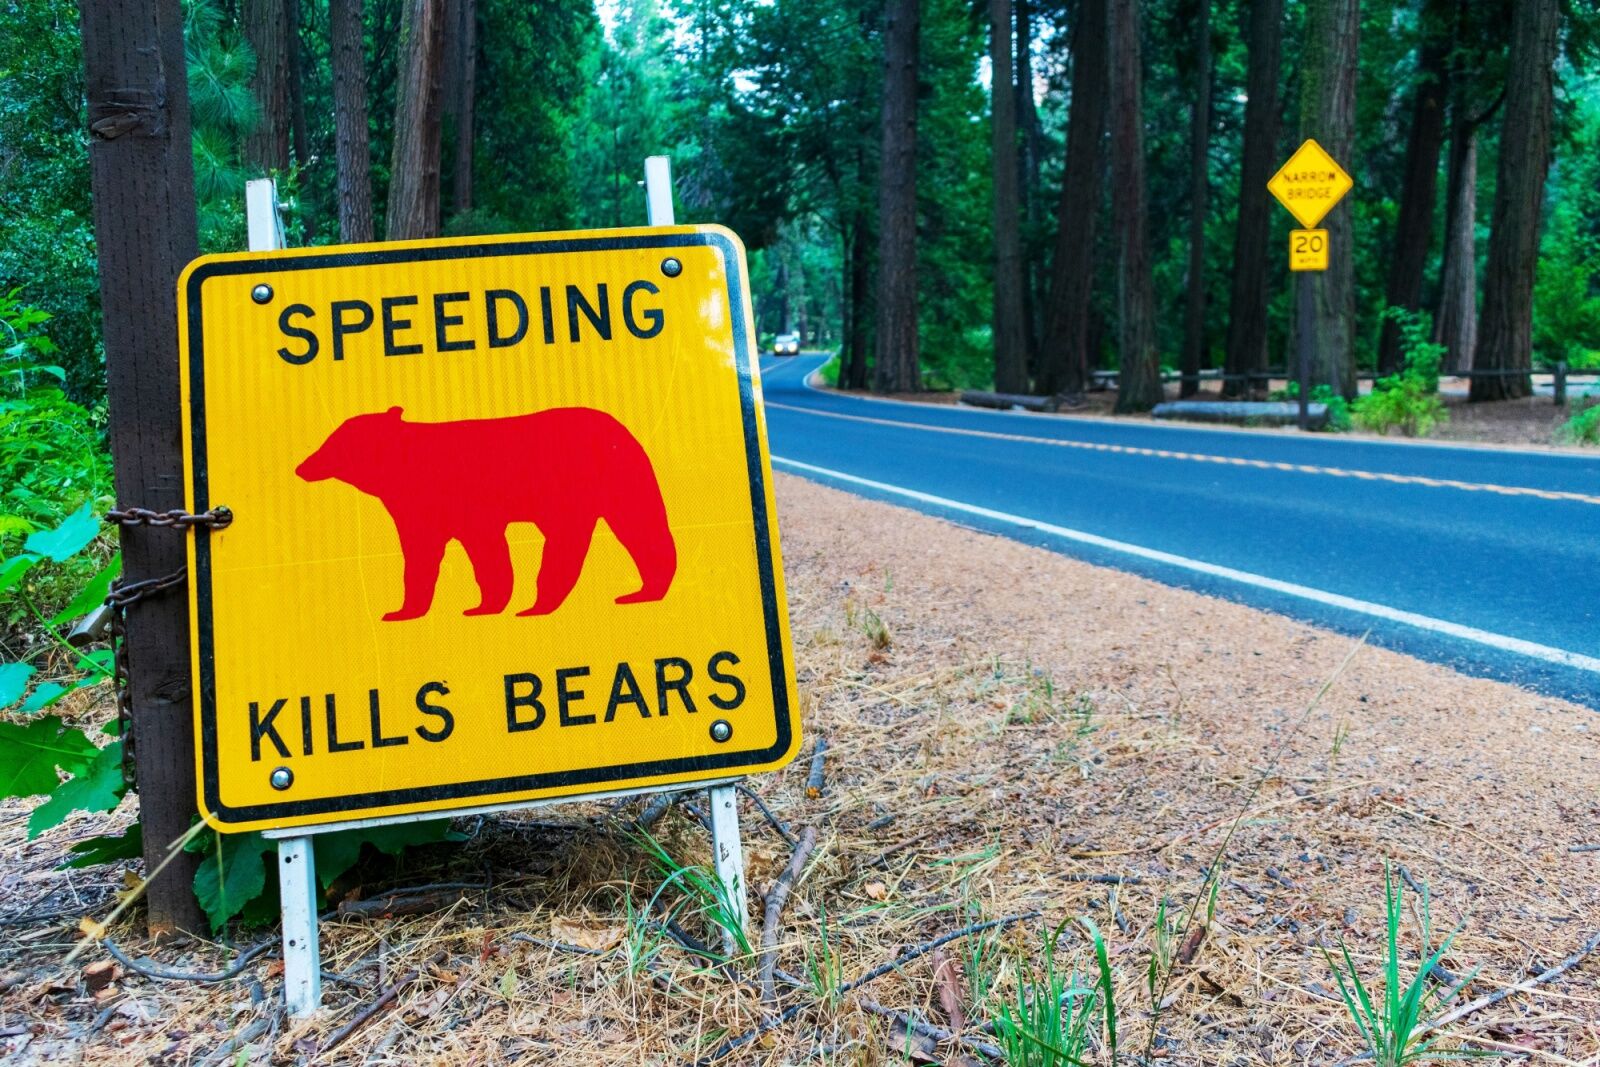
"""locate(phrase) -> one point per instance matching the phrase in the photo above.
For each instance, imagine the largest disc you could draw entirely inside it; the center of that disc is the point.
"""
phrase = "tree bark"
(266, 28)
(858, 330)
(1010, 315)
(897, 368)
(1326, 321)
(1195, 357)
(1456, 325)
(465, 76)
(297, 88)
(1414, 228)
(414, 167)
(1064, 350)
(350, 121)
(1032, 140)
(141, 171)
(1505, 341)
(1139, 384)
(1247, 310)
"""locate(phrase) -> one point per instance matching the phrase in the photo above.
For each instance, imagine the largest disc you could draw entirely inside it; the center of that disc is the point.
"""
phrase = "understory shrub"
(1409, 400)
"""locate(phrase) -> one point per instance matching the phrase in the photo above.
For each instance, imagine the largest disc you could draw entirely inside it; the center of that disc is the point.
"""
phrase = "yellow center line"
(1202, 457)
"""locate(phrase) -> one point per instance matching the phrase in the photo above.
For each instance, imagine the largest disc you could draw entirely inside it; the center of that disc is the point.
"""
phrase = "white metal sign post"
(296, 860)
(726, 848)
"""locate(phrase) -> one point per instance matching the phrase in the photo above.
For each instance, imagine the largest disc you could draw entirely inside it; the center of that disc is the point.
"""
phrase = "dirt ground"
(1009, 732)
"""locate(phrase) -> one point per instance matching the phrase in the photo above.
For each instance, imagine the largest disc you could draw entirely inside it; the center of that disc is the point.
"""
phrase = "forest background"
(991, 208)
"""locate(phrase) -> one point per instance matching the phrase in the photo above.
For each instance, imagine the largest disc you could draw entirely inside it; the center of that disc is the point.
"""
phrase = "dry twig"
(777, 897)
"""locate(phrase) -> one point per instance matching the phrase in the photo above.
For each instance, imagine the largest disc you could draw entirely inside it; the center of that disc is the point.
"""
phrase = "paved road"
(1485, 560)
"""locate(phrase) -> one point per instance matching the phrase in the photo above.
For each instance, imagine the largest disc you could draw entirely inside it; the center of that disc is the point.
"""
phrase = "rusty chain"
(214, 519)
(123, 596)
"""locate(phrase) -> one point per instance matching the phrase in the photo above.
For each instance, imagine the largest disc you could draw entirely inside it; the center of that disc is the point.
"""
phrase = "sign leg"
(302, 953)
(1307, 299)
(728, 853)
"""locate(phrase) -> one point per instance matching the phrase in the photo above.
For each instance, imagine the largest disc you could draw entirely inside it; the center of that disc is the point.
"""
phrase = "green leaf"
(30, 753)
(232, 874)
(508, 983)
(12, 570)
(127, 845)
(66, 540)
(91, 595)
(54, 372)
(47, 693)
(98, 787)
(13, 682)
(338, 852)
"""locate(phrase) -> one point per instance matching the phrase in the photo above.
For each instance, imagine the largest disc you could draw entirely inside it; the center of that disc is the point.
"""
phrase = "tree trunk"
(350, 121)
(1505, 341)
(1414, 229)
(1064, 351)
(1010, 321)
(297, 87)
(414, 167)
(858, 336)
(1032, 134)
(141, 171)
(1247, 311)
(1325, 322)
(266, 28)
(1139, 384)
(1456, 325)
(1195, 356)
(463, 90)
(897, 367)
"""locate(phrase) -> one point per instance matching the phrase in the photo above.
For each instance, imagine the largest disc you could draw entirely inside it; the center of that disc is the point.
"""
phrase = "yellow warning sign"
(1308, 249)
(503, 525)
(1309, 184)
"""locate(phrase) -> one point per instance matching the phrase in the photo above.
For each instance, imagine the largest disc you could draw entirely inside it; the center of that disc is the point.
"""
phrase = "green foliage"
(701, 892)
(1391, 1032)
(127, 845)
(1408, 400)
(52, 453)
(223, 111)
(32, 752)
(1052, 1022)
(1338, 407)
(98, 786)
(234, 880)
(1583, 428)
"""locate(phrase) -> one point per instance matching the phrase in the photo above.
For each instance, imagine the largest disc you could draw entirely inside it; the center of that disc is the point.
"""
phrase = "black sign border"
(492, 790)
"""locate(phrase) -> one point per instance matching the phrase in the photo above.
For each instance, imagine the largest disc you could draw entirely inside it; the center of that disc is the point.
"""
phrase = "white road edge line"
(1501, 642)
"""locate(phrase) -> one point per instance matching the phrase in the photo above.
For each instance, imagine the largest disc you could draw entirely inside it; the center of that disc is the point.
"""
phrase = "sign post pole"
(1308, 185)
(1305, 296)
(297, 865)
(727, 850)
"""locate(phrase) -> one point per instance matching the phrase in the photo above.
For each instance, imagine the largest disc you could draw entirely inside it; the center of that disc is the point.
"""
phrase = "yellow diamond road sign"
(1309, 184)
(503, 525)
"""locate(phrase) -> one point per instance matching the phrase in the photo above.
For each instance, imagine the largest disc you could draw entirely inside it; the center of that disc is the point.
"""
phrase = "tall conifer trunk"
(266, 28)
(1010, 316)
(1505, 339)
(1139, 383)
(351, 149)
(1414, 229)
(1326, 321)
(1064, 349)
(414, 167)
(896, 356)
(1194, 309)
(1247, 311)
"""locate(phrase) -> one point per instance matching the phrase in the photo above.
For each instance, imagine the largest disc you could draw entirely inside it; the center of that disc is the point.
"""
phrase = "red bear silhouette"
(562, 469)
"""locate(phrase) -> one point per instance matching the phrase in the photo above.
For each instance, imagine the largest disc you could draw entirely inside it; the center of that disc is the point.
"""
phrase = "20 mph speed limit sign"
(503, 525)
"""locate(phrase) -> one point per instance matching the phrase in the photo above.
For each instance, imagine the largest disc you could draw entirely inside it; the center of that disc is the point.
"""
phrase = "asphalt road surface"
(1484, 560)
